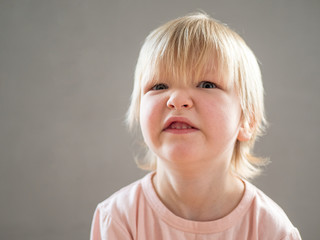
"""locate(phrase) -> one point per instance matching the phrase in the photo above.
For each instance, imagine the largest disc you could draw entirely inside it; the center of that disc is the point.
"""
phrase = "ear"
(245, 132)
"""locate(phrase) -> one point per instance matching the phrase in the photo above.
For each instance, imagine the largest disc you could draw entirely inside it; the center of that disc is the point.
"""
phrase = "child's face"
(197, 121)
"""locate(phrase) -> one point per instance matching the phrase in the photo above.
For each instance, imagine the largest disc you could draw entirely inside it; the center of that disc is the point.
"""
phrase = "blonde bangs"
(181, 52)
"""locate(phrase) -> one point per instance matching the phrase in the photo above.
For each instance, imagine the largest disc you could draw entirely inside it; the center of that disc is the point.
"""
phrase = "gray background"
(66, 70)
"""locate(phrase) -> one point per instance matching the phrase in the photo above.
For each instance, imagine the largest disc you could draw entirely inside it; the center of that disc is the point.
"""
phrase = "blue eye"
(206, 84)
(160, 86)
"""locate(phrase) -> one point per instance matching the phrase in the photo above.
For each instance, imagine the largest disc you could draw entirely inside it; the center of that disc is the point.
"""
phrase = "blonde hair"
(182, 49)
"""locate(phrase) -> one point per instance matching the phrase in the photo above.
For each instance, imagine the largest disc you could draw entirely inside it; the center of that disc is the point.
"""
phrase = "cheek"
(223, 115)
(144, 117)
(149, 117)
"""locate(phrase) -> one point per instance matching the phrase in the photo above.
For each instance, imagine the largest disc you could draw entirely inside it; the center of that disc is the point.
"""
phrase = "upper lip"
(178, 119)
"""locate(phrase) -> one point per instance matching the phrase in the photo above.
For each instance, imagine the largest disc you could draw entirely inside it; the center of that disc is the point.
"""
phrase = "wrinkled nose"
(179, 100)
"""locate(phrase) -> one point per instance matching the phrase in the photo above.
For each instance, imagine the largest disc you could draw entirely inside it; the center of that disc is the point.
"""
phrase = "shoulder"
(121, 203)
(117, 215)
(269, 217)
(110, 219)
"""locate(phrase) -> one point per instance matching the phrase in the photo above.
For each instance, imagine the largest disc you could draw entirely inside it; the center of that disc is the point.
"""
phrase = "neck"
(204, 194)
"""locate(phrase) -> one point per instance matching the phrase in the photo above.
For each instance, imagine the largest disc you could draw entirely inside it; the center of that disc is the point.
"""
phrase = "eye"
(206, 84)
(160, 86)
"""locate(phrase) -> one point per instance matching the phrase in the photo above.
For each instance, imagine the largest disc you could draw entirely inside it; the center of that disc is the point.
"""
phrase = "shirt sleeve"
(294, 235)
(106, 228)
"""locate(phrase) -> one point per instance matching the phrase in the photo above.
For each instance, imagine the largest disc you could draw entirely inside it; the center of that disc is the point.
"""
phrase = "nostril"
(171, 106)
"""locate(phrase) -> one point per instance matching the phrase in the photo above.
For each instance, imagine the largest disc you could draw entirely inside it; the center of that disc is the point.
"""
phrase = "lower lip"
(180, 131)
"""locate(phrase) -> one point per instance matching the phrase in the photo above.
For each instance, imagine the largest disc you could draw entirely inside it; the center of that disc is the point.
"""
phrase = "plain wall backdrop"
(66, 74)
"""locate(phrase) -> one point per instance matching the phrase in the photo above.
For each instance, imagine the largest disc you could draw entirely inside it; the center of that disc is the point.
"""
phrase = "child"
(198, 99)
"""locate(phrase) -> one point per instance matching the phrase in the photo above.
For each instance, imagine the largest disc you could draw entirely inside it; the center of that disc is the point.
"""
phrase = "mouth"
(179, 125)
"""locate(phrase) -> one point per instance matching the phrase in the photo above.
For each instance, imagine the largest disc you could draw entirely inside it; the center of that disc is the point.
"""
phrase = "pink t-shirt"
(136, 212)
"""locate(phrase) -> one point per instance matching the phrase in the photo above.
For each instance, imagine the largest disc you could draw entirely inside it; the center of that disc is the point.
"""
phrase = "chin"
(181, 154)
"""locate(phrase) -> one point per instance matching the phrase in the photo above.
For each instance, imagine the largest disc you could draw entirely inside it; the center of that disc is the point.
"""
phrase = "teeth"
(178, 125)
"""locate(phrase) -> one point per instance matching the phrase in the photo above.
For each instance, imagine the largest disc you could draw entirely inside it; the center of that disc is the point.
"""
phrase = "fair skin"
(192, 129)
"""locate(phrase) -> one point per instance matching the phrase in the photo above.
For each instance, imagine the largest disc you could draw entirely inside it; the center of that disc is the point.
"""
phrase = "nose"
(179, 99)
